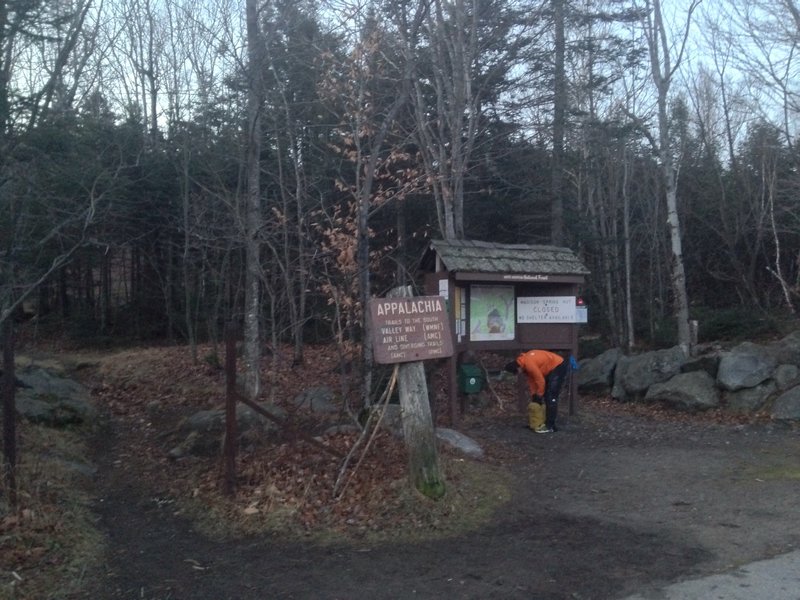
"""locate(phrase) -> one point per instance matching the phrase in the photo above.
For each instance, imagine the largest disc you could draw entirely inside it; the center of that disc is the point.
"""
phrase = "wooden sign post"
(409, 330)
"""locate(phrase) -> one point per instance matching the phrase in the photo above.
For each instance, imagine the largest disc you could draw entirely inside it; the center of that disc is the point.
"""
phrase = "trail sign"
(410, 329)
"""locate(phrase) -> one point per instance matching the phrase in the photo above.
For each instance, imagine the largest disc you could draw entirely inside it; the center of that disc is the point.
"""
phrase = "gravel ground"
(611, 505)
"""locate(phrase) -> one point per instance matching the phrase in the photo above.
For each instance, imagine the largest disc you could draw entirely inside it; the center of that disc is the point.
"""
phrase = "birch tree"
(666, 55)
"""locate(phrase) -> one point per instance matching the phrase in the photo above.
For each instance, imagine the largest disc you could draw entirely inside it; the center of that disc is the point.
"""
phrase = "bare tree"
(766, 36)
(468, 55)
(605, 86)
(560, 100)
(29, 84)
(369, 112)
(666, 56)
(138, 37)
(295, 125)
(253, 217)
(738, 226)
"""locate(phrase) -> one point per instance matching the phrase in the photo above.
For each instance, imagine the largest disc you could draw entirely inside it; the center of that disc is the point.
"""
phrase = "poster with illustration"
(491, 312)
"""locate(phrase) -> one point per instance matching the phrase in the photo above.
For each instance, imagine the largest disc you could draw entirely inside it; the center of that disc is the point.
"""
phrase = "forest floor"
(621, 499)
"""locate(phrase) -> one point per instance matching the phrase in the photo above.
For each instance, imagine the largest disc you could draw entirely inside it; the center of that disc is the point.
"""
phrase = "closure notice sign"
(546, 309)
(410, 329)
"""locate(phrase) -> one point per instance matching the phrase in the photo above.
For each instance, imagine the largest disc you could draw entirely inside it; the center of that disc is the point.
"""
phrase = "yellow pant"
(535, 415)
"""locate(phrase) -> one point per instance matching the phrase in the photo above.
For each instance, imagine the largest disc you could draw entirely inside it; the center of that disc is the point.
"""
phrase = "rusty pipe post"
(231, 433)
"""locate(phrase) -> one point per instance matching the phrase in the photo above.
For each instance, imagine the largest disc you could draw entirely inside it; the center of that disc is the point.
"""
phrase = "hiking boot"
(543, 429)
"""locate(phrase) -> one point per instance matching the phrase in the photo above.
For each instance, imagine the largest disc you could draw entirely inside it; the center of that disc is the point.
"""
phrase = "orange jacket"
(538, 364)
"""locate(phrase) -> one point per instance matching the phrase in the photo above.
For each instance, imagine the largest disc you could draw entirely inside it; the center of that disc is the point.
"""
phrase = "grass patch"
(475, 491)
(50, 542)
(774, 467)
(777, 472)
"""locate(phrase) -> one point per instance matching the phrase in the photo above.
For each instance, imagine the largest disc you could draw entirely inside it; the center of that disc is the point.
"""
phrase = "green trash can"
(470, 379)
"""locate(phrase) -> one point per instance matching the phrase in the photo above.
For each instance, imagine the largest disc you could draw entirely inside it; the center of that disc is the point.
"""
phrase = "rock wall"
(745, 379)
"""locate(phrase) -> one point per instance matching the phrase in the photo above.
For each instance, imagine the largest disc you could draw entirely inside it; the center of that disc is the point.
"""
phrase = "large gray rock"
(202, 432)
(690, 391)
(206, 421)
(787, 349)
(459, 441)
(745, 366)
(787, 406)
(705, 362)
(596, 375)
(317, 400)
(635, 374)
(50, 399)
(749, 400)
(786, 376)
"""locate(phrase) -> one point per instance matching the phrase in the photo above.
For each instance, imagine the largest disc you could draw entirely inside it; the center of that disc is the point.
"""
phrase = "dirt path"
(608, 506)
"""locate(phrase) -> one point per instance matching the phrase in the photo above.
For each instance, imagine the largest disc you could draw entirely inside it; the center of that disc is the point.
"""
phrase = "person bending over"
(545, 372)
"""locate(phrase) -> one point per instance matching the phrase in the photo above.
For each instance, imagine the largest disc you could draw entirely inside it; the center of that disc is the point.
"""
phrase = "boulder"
(635, 374)
(745, 366)
(705, 362)
(787, 349)
(17, 381)
(690, 391)
(50, 399)
(786, 376)
(202, 433)
(317, 400)
(51, 365)
(342, 428)
(787, 406)
(459, 441)
(596, 375)
(749, 400)
(207, 421)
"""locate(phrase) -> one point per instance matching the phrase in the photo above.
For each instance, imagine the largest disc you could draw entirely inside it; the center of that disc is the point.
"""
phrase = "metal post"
(231, 433)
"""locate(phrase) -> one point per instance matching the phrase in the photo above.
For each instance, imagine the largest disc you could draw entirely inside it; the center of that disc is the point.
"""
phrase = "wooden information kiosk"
(506, 297)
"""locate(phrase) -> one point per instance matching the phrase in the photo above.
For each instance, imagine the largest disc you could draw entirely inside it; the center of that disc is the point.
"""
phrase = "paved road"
(772, 579)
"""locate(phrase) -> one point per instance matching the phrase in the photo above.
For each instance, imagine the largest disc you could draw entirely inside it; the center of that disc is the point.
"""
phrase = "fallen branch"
(383, 402)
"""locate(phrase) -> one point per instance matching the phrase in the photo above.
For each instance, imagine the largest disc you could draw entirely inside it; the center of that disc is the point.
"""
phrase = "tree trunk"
(400, 253)
(681, 299)
(252, 308)
(559, 119)
(663, 69)
(364, 196)
(362, 260)
(187, 282)
(447, 139)
(630, 340)
(418, 429)
(9, 412)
